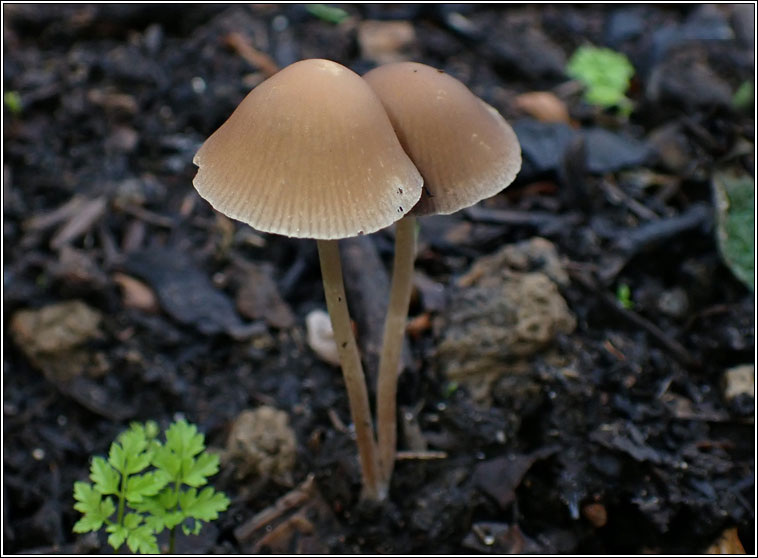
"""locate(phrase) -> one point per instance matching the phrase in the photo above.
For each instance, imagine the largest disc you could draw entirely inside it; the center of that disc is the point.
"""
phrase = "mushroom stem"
(392, 344)
(352, 369)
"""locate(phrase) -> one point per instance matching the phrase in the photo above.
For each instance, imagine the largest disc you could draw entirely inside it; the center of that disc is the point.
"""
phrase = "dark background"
(638, 449)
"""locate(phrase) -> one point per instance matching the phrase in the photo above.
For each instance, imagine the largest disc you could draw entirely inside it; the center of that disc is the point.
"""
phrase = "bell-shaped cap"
(309, 153)
(463, 148)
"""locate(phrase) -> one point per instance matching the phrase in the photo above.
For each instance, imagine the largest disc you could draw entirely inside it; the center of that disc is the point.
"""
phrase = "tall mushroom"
(466, 152)
(310, 153)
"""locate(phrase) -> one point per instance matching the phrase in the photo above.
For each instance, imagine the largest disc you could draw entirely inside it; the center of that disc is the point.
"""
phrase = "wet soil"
(615, 434)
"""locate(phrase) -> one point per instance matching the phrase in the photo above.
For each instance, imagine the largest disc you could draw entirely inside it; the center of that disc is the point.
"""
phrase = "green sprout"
(146, 486)
(331, 14)
(743, 97)
(605, 75)
(450, 388)
(12, 102)
(624, 296)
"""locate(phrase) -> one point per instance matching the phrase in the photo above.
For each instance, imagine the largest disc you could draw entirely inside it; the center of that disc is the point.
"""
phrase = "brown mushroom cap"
(309, 153)
(463, 148)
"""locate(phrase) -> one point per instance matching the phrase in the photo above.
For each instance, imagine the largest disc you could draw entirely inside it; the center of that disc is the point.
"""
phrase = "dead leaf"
(543, 105)
(385, 41)
(136, 294)
(418, 325)
(258, 297)
(297, 523)
(595, 513)
(499, 477)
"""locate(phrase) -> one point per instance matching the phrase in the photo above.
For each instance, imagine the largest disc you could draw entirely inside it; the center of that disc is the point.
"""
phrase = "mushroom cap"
(309, 153)
(463, 148)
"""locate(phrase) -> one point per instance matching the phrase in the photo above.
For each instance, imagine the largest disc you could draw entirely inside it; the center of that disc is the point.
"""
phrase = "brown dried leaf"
(385, 41)
(135, 293)
(543, 106)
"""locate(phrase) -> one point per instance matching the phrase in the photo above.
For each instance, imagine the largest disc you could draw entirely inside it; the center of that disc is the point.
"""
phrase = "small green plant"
(605, 75)
(743, 97)
(146, 486)
(624, 296)
(735, 223)
(12, 102)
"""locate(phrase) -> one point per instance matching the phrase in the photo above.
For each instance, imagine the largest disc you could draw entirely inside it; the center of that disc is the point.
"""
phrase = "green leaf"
(173, 519)
(204, 506)
(605, 75)
(167, 461)
(156, 523)
(151, 430)
(118, 534)
(330, 14)
(744, 96)
(184, 440)
(194, 530)
(142, 540)
(135, 445)
(117, 457)
(90, 502)
(87, 498)
(196, 471)
(105, 477)
(155, 513)
(95, 517)
(132, 520)
(735, 223)
(87, 523)
(139, 487)
(624, 296)
(13, 102)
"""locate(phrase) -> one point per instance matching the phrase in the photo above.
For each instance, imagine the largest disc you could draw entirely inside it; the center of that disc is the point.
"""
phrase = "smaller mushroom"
(466, 152)
(463, 148)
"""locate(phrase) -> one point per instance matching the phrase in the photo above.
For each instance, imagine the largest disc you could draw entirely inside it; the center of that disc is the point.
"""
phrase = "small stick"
(420, 455)
(253, 56)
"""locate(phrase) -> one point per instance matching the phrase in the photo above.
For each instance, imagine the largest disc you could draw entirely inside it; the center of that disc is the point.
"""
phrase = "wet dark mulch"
(624, 434)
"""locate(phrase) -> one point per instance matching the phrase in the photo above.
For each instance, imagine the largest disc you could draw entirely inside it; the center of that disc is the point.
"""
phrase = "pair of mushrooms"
(316, 151)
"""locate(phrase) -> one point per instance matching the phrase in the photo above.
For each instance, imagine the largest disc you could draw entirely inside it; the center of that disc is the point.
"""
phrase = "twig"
(82, 221)
(295, 497)
(635, 241)
(420, 455)
(253, 56)
(658, 335)
(547, 222)
(57, 215)
(617, 194)
(145, 215)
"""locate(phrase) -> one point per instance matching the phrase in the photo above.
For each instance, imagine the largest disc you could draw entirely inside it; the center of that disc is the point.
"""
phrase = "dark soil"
(629, 446)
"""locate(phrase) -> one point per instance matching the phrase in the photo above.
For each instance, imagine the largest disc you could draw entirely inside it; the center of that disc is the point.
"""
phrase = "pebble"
(738, 381)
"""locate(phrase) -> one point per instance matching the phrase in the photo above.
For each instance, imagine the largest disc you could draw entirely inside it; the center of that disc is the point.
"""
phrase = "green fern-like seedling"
(146, 486)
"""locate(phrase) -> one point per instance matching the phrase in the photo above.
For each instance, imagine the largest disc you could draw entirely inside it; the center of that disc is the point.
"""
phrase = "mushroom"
(466, 152)
(310, 153)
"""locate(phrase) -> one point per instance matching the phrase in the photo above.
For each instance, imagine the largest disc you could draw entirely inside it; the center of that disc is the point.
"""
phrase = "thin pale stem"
(352, 369)
(392, 344)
